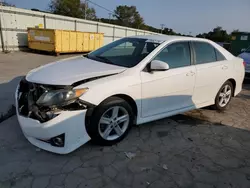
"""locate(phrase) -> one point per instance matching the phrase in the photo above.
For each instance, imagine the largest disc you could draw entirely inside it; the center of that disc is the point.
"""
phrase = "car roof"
(164, 38)
(169, 38)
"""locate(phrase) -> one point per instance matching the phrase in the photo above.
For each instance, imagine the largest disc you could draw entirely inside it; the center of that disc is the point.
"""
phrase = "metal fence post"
(75, 25)
(114, 33)
(126, 32)
(97, 27)
(1, 29)
(1, 34)
(44, 21)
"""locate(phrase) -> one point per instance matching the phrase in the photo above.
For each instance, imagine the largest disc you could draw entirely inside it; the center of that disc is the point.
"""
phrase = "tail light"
(244, 63)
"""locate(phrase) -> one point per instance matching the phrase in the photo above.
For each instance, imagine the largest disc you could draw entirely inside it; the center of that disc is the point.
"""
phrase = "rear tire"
(224, 96)
(110, 121)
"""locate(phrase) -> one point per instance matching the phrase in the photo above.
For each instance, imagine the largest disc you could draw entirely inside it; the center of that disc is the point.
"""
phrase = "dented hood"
(69, 71)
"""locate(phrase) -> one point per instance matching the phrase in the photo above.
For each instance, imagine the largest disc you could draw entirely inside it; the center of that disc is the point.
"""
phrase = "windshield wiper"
(106, 60)
(86, 55)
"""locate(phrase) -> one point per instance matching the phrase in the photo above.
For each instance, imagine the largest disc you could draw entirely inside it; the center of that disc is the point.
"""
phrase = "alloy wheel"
(225, 95)
(113, 123)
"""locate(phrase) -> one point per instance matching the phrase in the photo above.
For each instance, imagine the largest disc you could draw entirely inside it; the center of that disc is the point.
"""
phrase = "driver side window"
(176, 55)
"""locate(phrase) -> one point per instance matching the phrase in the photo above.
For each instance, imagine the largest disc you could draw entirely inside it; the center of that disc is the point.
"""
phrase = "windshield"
(126, 52)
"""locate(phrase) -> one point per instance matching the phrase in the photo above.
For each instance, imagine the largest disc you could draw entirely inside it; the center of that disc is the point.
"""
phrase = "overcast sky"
(183, 16)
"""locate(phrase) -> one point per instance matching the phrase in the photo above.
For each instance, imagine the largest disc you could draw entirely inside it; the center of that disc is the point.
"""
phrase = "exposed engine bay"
(28, 95)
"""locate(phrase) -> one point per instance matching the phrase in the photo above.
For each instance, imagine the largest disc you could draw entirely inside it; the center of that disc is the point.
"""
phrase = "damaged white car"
(99, 96)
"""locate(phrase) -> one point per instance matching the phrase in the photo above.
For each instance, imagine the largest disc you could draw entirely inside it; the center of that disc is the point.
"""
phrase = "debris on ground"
(130, 155)
(165, 167)
(190, 139)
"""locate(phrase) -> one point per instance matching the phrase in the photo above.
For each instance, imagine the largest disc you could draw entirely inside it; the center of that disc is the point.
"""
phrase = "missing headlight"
(61, 97)
(29, 93)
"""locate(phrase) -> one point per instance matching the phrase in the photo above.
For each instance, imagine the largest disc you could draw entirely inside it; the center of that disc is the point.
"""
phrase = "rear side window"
(176, 55)
(205, 53)
(219, 56)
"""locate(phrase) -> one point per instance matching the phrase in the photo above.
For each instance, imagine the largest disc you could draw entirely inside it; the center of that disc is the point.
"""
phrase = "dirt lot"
(202, 148)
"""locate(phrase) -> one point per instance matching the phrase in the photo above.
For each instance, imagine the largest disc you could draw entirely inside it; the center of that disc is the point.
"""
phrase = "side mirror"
(243, 50)
(157, 65)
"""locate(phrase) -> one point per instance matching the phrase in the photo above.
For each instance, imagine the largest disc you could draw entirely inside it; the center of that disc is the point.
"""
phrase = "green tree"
(129, 16)
(235, 31)
(152, 29)
(216, 35)
(90, 12)
(110, 21)
(168, 31)
(72, 8)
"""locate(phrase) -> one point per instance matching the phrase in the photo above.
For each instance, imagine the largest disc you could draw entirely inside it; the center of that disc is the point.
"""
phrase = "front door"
(165, 91)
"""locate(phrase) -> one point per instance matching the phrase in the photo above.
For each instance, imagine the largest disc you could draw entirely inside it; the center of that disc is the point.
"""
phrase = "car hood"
(71, 70)
(245, 56)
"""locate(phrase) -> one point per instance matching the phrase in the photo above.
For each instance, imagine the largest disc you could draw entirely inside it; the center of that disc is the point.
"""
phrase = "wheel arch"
(129, 100)
(234, 84)
(125, 97)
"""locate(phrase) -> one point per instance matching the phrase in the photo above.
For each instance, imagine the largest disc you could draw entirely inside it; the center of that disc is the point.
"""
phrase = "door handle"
(191, 73)
(225, 67)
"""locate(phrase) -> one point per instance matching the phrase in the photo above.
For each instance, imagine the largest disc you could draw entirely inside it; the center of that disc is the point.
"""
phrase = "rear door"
(212, 69)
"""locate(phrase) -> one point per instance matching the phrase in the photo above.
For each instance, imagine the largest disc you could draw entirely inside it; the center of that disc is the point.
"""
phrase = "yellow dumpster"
(63, 41)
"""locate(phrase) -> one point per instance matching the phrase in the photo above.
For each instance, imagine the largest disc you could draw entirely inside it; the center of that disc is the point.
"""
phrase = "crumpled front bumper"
(70, 123)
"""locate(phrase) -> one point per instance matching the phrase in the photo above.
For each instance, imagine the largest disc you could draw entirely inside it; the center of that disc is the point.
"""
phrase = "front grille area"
(28, 94)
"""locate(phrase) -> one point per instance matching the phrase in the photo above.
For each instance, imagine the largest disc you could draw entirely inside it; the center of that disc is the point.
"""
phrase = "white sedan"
(134, 80)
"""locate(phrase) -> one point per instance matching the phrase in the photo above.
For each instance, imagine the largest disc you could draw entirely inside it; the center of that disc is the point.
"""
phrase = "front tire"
(224, 96)
(111, 121)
